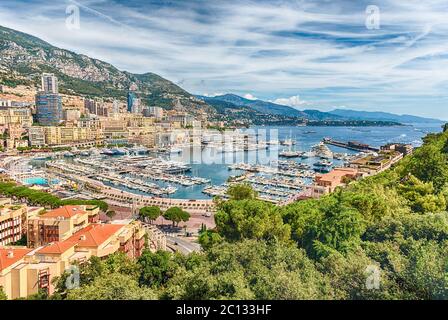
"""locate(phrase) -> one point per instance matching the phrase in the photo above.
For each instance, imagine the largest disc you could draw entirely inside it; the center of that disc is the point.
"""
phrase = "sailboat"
(288, 141)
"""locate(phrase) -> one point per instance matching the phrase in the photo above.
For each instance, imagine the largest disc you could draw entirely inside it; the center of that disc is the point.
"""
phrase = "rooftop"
(9, 256)
(95, 235)
(57, 247)
(64, 212)
(337, 174)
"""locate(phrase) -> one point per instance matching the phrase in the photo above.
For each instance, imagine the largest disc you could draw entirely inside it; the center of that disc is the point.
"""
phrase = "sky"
(322, 54)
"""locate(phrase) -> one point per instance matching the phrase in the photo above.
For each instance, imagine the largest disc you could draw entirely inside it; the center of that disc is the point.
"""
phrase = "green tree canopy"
(241, 191)
(3, 294)
(250, 269)
(209, 238)
(421, 196)
(176, 215)
(156, 268)
(429, 164)
(150, 213)
(250, 219)
(114, 286)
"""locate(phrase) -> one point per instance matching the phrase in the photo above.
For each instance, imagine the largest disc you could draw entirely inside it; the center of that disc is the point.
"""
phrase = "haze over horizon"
(306, 54)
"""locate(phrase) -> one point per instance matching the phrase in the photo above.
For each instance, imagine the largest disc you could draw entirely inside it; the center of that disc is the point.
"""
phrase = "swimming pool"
(39, 181)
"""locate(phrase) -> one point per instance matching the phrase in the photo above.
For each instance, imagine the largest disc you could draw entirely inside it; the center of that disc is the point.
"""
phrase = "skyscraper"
(131, 101)
(48, 108)
(50, 83)
(90, 105)
(49, 102)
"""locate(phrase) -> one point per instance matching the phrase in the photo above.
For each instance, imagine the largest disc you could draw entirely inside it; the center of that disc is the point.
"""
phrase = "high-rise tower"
(49, 102)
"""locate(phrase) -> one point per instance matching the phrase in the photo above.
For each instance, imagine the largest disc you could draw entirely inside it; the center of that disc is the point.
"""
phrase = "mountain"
(382, 116)
(235, 102)
(258, 105)
(23, 58)
(321, 116)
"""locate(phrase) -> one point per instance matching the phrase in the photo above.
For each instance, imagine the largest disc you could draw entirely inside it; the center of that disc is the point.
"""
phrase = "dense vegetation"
(41, 198)
(395, 223)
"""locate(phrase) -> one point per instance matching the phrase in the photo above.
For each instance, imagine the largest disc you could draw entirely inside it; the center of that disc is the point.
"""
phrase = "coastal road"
(182, 245)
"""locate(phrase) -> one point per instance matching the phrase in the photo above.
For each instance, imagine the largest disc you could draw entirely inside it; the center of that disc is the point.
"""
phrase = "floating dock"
(351, 145)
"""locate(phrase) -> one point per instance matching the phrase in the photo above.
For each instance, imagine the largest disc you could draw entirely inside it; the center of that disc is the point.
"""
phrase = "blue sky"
(307, 54)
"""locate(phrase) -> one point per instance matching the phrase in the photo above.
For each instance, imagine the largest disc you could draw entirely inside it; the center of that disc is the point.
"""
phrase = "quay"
(351, 145)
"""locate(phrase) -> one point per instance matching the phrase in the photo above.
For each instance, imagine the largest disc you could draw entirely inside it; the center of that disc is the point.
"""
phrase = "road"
(182, 245)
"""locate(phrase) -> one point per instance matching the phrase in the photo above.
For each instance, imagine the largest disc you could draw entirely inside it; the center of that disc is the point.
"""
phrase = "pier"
(351, 145)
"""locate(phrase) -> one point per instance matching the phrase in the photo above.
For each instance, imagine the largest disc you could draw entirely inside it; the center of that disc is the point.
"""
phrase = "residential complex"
(52, 135)
(58, 239)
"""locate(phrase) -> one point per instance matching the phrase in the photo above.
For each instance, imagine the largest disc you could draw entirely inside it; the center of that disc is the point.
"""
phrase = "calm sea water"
(305, 137)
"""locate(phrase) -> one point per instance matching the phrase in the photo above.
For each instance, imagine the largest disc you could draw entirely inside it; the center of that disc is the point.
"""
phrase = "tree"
(209, 238)
(348, 277)
(115, 286)
(119, 262)
(421, 196)
(339, 228)
(3, 295)
(242, 191)
(111, 214)
(250, 219)
(250, 269)
(156, 268)
(149, 213)
(431, 227)
(176, 215)
(429, 164)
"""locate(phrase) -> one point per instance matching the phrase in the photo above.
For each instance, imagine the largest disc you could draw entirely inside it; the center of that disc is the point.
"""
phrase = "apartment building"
(59, 224)
(72, 114)
(36, 136)
(11, 220)
(39, 136)
(27, 271)
(58, 239)
(79, 224)
(19, 116)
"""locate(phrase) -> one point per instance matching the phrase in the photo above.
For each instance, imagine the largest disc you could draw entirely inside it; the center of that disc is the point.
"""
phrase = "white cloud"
(211, 95)
(249, 96)
(271, 49)
(293, 101)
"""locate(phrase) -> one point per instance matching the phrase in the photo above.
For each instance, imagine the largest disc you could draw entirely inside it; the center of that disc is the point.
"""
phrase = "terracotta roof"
(57, 247)
(6, 261)
(65, 211)
(337, 174)
(95, 235)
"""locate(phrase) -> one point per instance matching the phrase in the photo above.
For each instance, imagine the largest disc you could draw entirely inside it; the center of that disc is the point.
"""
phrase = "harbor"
(351, 145)
(291, 163)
